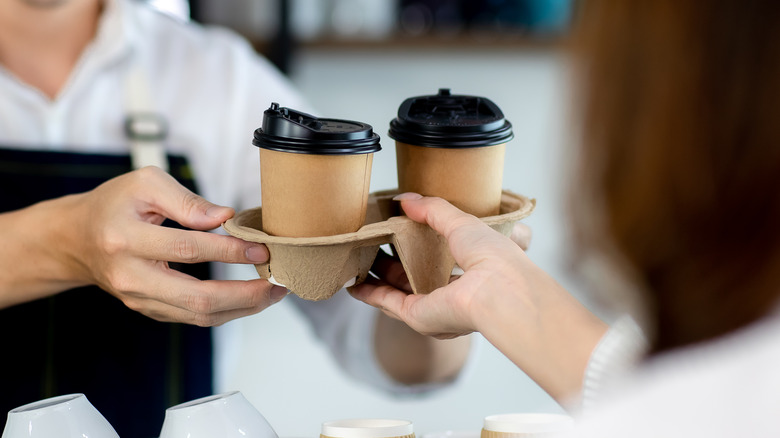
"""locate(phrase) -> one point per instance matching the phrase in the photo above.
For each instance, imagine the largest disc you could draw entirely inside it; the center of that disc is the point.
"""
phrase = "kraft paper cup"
(469, 178)
(367, 428)
(66, 416)
(315, 173)
(313, 195)
(452, 146)
(526, 425)
(453, 434)
(227, 415)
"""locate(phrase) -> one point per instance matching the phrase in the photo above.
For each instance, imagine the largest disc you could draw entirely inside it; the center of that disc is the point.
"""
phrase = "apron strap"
(146, 129)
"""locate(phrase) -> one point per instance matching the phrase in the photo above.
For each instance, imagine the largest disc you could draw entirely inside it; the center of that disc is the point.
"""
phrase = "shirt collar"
(116, 33)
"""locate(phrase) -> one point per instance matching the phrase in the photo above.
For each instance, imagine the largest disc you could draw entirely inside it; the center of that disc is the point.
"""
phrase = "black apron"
(130, 367)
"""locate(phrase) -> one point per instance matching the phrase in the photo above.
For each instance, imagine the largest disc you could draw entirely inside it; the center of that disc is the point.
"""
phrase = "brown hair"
(680, 103)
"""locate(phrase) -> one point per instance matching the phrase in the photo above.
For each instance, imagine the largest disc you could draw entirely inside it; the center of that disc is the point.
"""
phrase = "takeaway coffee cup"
(452, 146)
(367, 428)
(523, 425)
(315, 173)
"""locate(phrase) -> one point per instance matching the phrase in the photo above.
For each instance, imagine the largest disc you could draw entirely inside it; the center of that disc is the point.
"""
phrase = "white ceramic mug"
(367, 428)
(224, 415)
(65, 416)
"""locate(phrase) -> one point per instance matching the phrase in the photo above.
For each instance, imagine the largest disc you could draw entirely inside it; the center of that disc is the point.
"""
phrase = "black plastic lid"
(288, 130)
(450, 121)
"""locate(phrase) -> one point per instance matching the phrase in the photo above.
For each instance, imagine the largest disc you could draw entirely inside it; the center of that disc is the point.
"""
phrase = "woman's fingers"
(436, 314)
(479, 250)
(470, 240)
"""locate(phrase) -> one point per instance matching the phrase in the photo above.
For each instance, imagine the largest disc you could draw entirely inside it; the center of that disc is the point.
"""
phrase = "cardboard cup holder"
(315, 268)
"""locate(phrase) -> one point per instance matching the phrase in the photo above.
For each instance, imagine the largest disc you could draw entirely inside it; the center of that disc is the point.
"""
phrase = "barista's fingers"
(391, 270)
(176, 202)
(184, 246)
(521, 235)
(212, 296)
(199, 297)
(166, 313)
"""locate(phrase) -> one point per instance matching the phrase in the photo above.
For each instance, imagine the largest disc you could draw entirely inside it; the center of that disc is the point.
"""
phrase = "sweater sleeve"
(616, 354)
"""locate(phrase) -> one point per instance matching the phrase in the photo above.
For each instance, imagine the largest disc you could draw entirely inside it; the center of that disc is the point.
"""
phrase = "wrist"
(38, 251)
(542, 328)
(57, 224)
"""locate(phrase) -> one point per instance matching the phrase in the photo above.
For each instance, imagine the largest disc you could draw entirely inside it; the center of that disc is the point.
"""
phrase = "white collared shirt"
(212, 88)
(207, 82)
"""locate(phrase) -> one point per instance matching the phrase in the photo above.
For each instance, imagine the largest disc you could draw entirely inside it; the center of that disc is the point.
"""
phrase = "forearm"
(515, 305)
(550, 338)
(34, 252)
(411, 358)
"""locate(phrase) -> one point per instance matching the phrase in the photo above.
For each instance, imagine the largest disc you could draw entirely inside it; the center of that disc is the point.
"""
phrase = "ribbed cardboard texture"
(293, 209)
(402, 436)
(470, 178)
(315, 268)
(526, 425)
(492, 434)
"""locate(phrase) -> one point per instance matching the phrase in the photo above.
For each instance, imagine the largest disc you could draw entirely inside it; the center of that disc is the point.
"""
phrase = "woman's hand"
(484, 255)
(519, 308)
(111, 237)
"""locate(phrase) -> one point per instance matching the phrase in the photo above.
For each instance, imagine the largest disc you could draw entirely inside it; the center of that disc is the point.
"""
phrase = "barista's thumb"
(202, 214)
(183, 206)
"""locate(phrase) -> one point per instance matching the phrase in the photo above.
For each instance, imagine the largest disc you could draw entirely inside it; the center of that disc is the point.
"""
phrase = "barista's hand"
(115, 240)
(502, 294)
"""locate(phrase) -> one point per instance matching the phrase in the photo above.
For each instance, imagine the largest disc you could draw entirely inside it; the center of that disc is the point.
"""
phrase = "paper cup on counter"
(224, 415)
(367, 428)
(530, 425)
(315, 173)
(452, 434)
(452, 146)
(66, 416)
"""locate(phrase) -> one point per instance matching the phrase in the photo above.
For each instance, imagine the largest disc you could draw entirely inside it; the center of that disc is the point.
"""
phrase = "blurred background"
(359, 59)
